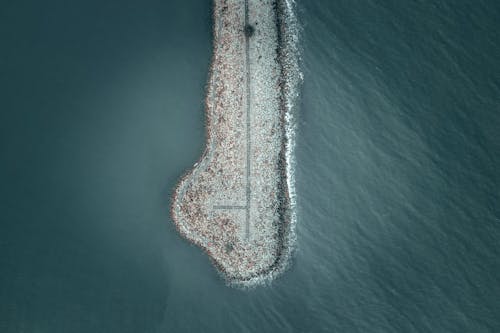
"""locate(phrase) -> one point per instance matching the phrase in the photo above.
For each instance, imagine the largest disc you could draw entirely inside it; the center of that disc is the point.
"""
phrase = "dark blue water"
(398, 170)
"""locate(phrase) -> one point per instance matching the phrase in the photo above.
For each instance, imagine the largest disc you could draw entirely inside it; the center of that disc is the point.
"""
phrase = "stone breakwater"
(237, 201)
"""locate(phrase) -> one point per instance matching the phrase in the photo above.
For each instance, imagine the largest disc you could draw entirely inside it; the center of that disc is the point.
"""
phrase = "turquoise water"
(397, 170)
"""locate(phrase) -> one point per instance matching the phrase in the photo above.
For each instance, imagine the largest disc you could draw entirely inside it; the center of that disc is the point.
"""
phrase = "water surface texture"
(397, 174)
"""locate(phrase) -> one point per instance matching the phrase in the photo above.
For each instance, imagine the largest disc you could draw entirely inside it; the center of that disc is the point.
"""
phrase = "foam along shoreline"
(237, 203)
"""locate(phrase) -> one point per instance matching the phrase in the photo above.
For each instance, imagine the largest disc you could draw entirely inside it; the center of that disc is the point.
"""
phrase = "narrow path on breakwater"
(248, 185)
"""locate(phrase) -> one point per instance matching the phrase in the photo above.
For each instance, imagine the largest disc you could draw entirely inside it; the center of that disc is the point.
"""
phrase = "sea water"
(396, 170)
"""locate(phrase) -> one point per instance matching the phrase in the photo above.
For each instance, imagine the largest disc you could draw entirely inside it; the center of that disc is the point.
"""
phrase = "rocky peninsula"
(236, 201)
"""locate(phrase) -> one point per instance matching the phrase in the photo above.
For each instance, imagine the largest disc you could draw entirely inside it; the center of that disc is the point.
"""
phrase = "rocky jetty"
(235, 202)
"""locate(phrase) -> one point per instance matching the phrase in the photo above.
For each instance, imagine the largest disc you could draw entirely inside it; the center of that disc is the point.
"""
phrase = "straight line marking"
(229, 207)
(247, 46)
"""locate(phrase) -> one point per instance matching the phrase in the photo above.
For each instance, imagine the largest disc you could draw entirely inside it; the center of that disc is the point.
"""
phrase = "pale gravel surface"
(244, 241)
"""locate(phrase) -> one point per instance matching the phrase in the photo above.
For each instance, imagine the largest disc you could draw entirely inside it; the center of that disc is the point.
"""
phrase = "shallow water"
(397, 171)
